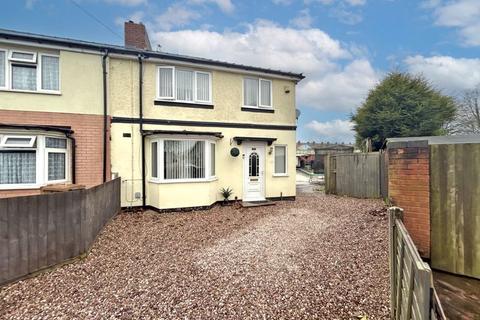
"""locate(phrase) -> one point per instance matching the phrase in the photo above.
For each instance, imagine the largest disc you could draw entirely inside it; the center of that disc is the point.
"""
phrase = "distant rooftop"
(73, 43)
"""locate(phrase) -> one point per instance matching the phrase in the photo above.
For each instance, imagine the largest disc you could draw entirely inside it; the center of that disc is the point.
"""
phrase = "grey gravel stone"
(320, 257)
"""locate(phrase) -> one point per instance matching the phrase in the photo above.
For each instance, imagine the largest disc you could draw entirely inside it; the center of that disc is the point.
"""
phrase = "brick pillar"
(409, 188)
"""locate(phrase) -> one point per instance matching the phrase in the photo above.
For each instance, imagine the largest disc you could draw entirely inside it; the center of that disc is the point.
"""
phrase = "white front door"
(253, 172)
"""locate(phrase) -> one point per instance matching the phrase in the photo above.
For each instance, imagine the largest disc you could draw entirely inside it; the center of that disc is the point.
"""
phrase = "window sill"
(180, 104)
(157, 181)
(258, 109)
(19, 186)
(280, 175)
(54, 93)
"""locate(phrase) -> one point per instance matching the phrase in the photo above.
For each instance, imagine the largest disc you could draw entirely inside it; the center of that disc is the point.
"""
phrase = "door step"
(251, 204)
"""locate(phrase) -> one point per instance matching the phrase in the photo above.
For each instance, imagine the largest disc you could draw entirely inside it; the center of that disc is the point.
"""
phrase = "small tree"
(468, 113)
(402, 105)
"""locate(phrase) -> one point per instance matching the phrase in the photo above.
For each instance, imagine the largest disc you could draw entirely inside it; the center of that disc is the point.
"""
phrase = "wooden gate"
(455, 208)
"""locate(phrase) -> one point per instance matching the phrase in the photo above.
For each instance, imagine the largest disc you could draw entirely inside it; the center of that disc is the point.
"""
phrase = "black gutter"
(72, 43)
(62, 129)
(190, 123)
(105, 114)
(140, 106)
(182, 132)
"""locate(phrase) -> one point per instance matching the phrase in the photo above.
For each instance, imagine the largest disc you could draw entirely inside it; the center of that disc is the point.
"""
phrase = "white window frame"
(285, 174)
(173, 83)
(36, 62)
(174, 86)
(4, 138)
(56, 150)
(160, 159)
(209, 86)
(259, 93)
(41, 156)
(32, 61)
(39, 74)
(5, 86)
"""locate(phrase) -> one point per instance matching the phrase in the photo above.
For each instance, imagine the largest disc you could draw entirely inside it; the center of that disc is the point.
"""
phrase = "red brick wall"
(88, 132)
(409, 188)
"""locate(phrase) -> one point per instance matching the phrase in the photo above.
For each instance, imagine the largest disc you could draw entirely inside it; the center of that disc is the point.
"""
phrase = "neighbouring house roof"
(182, 132)
(72, 43)
(62, 129)
(407, 141)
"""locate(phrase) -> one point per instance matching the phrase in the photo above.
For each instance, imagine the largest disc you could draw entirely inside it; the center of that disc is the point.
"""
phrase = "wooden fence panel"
(412, 295)
(358, 175)
(455, 208)
(37, 232)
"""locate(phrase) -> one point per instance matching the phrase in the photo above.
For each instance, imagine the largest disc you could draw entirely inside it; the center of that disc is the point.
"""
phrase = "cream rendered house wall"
(81, 89)
(227, 100)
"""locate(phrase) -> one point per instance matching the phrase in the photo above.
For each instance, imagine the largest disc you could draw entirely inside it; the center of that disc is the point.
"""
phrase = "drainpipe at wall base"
(105, 114)
(73, 161)
(140, 107)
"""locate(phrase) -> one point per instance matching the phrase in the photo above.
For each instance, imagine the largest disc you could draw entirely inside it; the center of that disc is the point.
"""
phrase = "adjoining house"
(175, 128)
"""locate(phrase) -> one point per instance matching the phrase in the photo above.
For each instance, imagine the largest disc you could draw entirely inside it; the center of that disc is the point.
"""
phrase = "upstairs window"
(29, 71)
(183, 85)
(257, 93)
(3, 68)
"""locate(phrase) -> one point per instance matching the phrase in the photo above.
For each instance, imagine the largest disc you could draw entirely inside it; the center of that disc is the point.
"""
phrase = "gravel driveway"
(318, 257)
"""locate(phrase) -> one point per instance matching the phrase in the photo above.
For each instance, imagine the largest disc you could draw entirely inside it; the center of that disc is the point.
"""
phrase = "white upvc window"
(29, 71)
(28, 161)
(257, 93)
(23, 56)
(3, 68)
(280, 154)
(184, 85)
(182, 160)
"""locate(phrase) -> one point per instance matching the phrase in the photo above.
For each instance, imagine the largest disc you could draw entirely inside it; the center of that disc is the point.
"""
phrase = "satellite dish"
(298, 113)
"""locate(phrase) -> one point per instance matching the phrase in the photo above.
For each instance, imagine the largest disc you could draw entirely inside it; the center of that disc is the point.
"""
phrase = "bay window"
(28, 161)
(182, 160)
(29, 71)
(280, 160)
(183, 85)
(257, 93)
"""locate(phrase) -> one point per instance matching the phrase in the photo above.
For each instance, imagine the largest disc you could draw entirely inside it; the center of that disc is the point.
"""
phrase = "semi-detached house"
(176, 129)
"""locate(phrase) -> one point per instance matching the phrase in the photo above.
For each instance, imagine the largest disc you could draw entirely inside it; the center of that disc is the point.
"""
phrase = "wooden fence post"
(394, 213)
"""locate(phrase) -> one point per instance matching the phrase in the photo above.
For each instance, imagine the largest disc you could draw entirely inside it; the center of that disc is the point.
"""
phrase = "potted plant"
(226, 193)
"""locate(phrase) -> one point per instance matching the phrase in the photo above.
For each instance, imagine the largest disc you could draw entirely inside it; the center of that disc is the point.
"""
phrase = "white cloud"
(328, 85)
(356, 2)
(447, 73)
(303, 20)
(127, 2)
(282, 2)
(175, 16)
(29, 4)
(344, 15)
(334, 130)
(137, 17)
(461, 14)
(225, 5)
(341, 90)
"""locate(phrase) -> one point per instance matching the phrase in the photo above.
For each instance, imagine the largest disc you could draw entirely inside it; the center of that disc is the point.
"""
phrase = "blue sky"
(344, 47)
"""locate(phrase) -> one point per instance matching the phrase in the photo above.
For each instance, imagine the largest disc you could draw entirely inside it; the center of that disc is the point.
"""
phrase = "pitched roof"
(73, 43)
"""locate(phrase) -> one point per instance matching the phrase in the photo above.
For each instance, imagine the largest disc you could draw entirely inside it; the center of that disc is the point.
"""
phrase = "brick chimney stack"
(136, 36)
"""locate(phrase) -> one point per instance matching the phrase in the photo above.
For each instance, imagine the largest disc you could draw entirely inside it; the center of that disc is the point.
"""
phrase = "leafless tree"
(468, 113)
